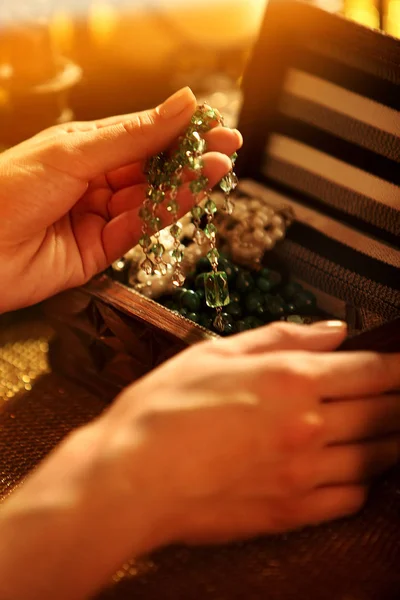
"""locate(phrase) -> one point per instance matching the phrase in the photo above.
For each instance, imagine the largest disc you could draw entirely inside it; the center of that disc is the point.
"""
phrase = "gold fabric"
(352, 559)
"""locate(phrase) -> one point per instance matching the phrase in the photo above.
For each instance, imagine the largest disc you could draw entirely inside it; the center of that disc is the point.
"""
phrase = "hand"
(264, 432)
(70, 196)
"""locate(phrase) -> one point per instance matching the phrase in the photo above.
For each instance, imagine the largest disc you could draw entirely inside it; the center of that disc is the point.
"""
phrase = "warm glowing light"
(366, 14)
(62, 30)
(393, 18)
(102, 21)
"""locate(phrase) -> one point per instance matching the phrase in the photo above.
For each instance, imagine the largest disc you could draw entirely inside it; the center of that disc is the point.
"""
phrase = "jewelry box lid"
(321, 119)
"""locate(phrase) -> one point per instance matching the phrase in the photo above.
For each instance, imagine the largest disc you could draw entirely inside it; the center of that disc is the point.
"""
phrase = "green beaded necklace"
(164, 176)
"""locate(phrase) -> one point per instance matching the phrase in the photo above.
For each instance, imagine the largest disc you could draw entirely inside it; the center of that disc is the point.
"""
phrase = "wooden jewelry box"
(321, 125)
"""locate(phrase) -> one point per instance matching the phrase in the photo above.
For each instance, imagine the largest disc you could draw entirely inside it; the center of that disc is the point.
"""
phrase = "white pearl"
(259, 235)
(268, 242)
(278, 221)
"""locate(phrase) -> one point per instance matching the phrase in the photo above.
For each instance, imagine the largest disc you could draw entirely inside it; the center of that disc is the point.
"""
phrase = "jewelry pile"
(165, 176)
(186, 254)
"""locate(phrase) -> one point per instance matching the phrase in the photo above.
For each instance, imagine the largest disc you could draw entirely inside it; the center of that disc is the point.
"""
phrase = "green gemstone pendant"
(216, 289)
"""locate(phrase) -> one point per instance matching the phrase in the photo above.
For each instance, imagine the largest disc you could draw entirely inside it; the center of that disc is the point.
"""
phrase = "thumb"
(322, 336)
(135, 137)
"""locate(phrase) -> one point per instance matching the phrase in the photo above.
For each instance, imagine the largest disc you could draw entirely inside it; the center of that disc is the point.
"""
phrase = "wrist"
(74, 522)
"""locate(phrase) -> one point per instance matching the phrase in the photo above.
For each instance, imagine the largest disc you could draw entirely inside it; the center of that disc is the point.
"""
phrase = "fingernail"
(176, 104)
(331, 325)
(239, 136)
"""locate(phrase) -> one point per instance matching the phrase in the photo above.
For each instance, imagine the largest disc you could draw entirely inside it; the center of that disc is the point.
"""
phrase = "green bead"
(263, 313)
(195, 163)
(274, 306)
(184, 311)
(177, 255)
(213, 256)
(210, 207)
(155, 223)
(252, 322)
(264, 272)
(206, 321)
(172, 206)
(157, 196)
(145, 213)
(145, 241)
(241, 326)
(193, 316)
(253, 300)
(158, 250)
(234, 309)
(190, 300)
(210, 230)
(198, 185)
(234, 157)
(175, 230)
(295, 319)
(290, 308)
(263, 284)
(201, 294)
(228, 183)
(216, 289)
(194, 143)
(211, 114)
(244, 281)
(234, 296)
(197, 212)
(291, 289)
(305, 301)
(230, 269)
(229, 329)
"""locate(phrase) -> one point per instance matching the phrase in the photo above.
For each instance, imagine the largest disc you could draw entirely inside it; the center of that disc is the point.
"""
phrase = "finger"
(347, 374)
(361, 418)
(91, 153)
(215, 167)
(319, 337)
(124, 231)
(225, 520)
(356, 463)
(221, 139)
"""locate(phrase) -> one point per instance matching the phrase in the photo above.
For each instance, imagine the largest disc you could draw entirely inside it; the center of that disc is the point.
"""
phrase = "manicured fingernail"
(331, 325)
(176, 104)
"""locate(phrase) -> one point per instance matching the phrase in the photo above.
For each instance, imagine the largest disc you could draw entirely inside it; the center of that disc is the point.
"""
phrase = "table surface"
(352, 559)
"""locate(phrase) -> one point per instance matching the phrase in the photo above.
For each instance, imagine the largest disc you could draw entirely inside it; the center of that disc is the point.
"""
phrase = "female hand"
(70, 196)
(263, 432)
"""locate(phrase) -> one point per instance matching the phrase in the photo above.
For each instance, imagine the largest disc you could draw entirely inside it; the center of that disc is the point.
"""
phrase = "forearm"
(72, 524)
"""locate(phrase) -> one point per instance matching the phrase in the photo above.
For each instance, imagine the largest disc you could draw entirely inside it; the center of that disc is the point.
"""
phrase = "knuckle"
(295, 476)
(139, 123)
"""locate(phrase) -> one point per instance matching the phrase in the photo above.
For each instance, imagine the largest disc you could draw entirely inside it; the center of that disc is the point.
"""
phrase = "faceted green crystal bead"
(213, 256)
(216, 289)
(177, 255)
(210, 230)
(197, 212)
(210, 207)
(158, 250)
(194, 143)
(198, 185)
(228, 183)
(145, 213)
(175, 230)
(147, 266)
(155, 223)
(145, 241)
(194, 162)
(172, 206)
(157, 196)
(234, 157)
